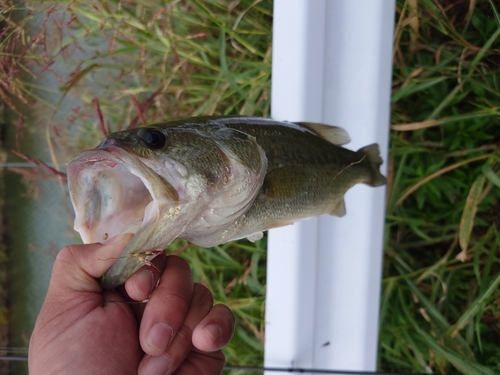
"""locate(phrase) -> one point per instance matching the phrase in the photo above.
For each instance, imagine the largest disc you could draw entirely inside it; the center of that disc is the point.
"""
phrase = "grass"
(236, 274)
(440, 303)
(4, 316)
(138, 62)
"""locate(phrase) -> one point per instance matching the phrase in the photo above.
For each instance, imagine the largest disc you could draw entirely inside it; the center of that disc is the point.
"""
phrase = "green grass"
(236, 274)
(440, 303)
(146, 62)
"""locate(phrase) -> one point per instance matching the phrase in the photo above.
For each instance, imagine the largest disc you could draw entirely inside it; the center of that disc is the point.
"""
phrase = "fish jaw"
(95, 191)
(162, 224)
(110, 190)
(114, 192)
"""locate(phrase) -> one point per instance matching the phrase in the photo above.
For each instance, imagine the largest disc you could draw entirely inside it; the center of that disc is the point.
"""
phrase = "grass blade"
(475, 307)
(468, 215)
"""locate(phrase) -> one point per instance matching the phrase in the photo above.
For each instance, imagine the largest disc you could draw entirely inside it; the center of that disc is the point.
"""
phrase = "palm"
(111, 326)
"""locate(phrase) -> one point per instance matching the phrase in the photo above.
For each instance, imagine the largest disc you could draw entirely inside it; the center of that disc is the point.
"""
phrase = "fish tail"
(372, 153)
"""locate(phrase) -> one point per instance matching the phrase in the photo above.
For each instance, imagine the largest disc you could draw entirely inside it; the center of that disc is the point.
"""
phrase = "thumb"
(78, 266)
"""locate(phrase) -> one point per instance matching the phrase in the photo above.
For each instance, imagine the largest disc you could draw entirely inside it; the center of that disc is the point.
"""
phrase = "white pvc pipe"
(331, 64)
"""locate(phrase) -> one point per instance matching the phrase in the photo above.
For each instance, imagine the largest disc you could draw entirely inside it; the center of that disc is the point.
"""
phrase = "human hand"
(82, 329)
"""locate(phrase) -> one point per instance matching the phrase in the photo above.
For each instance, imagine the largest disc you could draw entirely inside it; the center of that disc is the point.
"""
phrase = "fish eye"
(152, 138)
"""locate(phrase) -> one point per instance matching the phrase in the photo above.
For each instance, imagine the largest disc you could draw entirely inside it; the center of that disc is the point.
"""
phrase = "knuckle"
(178, 300)
(175, 261)
(185, 335)
(66, 255)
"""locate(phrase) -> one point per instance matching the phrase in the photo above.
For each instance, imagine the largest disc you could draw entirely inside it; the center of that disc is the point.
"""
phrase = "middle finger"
(167, 307)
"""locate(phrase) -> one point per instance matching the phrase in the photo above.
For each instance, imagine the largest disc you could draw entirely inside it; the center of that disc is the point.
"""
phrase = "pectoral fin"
(255, 236)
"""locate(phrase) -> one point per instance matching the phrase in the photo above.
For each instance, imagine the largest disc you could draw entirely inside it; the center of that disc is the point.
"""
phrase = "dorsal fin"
(332, 134)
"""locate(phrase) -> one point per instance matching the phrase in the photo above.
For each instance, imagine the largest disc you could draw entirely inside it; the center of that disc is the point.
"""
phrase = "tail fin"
(373, 155)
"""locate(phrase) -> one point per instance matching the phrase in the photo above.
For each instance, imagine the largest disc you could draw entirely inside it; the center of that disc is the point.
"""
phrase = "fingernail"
(143, 282)
(158, 365)
(159, 337)
(214, 331)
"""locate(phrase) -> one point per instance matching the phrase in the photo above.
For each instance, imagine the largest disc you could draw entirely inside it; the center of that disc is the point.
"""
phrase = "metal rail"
(331, 64)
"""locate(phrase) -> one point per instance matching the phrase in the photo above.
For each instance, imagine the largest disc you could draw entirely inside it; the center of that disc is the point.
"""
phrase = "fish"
(211, 180)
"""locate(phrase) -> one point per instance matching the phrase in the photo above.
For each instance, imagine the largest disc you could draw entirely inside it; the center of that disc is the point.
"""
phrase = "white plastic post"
(331, 64)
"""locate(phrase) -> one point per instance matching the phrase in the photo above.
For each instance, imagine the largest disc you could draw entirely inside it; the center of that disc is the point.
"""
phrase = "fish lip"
(106, 157)
(108, 153)
(82, 161)
(103, 154)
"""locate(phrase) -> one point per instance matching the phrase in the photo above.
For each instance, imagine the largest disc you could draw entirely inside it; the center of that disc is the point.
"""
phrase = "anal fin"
(339, 209)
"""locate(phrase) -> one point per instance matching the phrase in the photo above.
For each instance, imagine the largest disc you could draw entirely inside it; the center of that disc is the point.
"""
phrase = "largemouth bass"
(211, 180)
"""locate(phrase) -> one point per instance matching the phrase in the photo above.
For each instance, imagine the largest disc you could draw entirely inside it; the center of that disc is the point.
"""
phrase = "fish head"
(112, 185)
(160, 183)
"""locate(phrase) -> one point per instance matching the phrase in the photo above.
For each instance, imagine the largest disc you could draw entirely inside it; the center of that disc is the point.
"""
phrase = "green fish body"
(211, 180)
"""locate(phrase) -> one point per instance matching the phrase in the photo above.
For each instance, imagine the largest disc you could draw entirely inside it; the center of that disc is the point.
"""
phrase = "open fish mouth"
(110, 193)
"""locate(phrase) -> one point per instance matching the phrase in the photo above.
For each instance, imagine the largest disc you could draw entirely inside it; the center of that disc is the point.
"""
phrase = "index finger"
(167, 307)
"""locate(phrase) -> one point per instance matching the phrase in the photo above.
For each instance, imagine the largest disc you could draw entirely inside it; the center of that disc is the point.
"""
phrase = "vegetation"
(131, 63)
(440, 304)
(4, 319)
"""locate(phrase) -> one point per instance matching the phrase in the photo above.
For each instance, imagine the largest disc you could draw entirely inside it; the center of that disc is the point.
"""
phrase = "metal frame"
(331, 64)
